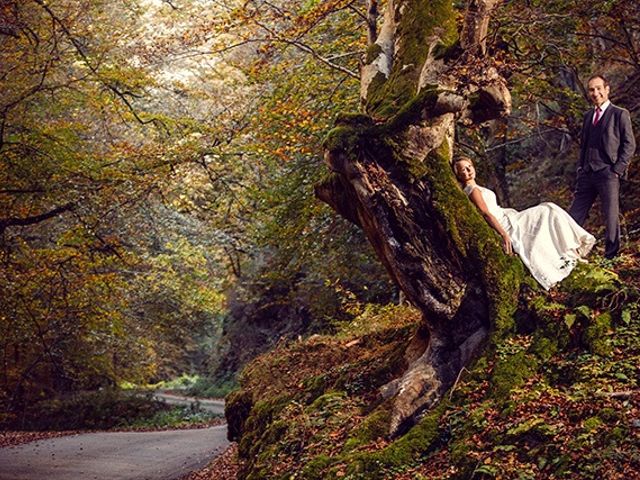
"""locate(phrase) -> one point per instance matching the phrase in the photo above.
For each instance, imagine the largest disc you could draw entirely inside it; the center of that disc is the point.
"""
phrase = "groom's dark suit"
(605, 151)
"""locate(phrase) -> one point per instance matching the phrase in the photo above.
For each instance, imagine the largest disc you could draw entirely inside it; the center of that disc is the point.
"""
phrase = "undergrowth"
(106, 409)
(558, 399)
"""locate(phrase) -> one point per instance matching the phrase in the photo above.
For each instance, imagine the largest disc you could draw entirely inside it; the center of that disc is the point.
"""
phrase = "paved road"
(165, 455)
(213, 406)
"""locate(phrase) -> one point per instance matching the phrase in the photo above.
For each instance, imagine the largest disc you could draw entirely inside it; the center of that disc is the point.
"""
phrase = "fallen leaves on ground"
(223, 467)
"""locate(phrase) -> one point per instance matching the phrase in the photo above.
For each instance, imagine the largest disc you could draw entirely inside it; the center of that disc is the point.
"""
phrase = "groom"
(607, 144)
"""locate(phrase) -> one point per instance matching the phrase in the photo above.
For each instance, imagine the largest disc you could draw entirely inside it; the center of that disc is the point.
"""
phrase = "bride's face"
(465, 171)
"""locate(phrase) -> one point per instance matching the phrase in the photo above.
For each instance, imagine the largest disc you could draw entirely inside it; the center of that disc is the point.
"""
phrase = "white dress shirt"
(602, 108)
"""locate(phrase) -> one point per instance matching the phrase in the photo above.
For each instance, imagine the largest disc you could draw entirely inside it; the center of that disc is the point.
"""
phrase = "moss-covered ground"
(558, 399)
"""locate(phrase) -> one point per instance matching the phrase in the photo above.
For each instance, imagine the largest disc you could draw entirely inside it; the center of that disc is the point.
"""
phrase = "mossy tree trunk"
(391, 175)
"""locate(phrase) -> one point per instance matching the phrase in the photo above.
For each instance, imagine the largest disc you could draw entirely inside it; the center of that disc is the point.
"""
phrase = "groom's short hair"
(599, 75)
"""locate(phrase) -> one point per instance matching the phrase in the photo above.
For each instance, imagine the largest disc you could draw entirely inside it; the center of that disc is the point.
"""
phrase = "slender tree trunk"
(372, 21)
(392, 176)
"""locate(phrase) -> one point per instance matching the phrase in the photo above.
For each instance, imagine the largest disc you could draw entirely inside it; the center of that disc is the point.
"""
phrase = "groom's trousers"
(604, 184)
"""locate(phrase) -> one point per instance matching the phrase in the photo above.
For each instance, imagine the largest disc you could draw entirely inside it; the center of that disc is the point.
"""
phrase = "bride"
(546, 238)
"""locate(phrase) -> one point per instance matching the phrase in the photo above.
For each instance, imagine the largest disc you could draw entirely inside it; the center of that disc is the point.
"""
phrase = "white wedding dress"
(547, 239)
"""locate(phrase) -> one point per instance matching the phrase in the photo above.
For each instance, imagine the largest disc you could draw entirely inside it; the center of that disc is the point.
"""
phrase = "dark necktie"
(596, 117)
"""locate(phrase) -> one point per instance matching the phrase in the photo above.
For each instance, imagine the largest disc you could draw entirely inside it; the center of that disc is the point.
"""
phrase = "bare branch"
(15, 222)
(521, 139)
(170, 3)
(12, 191)
(317, 56)
(358, 12)
(307, 49)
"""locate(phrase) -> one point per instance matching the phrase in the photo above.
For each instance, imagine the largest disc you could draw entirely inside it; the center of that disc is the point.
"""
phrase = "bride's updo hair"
(461, 158)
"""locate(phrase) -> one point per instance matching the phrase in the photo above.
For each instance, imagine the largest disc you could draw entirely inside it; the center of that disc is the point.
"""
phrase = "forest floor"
(223, 467)
(561, 399)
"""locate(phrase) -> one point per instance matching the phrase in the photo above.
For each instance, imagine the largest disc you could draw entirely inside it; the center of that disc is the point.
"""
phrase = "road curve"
(163, 455)
(210, 405)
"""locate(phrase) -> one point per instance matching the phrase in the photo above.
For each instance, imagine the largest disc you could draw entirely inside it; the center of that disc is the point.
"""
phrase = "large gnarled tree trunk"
(392, 176)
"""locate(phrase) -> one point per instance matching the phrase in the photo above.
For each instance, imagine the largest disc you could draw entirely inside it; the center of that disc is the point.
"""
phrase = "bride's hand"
(506, 245)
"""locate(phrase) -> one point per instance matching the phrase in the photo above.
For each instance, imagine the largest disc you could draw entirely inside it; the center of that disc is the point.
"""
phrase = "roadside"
(13, 438)
(224, 467)
(10, 438)
(215, 406)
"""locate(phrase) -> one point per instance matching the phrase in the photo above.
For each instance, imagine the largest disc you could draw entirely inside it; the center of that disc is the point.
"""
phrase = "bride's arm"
(478, 201)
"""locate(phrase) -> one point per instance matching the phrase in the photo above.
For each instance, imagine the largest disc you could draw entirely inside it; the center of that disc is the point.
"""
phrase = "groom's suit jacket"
(617, 143)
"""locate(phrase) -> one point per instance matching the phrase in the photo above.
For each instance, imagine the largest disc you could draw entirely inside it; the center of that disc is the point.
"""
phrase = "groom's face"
(598, 91)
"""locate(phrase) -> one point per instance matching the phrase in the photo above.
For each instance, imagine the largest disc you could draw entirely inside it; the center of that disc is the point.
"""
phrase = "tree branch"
(15, 222)
(117, 92)
(170, 3)
(307, 49)
(10, 191)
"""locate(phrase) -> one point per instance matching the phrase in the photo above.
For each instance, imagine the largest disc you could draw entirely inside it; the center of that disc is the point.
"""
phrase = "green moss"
(257, 424)
(350, 134)
(503, 281)
(314, 469)
(459, 450)
(275, 431)
(544, 348)
(375, 426)
(372, 53)
(617, 434)
(592, 423)
(375, 97)
(444, 51)
(343, 139)
(609, 415)
(421, 21)
(315, 386)
(369, 375)
(595, 336)
(354, 119)
(416, 443)
(327, 400)
(412, 110)
(530, 430)
(551, 335)
(237, 408)
(510, 372)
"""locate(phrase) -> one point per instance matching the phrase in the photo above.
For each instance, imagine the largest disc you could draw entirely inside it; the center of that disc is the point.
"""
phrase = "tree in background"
(145, 179)
(103, 277)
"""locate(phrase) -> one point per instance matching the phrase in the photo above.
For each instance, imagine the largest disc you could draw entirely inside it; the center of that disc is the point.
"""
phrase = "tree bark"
(392, 176)
(372, 21)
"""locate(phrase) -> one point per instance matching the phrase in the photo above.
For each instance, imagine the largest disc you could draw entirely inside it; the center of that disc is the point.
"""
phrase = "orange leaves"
(291, 131)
